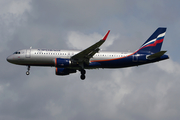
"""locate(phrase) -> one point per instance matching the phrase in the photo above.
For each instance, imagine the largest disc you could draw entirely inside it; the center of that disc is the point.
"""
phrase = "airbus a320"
(69, 61)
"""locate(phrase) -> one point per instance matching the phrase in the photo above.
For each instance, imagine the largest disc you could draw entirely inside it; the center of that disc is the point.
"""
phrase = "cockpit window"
(16, 53)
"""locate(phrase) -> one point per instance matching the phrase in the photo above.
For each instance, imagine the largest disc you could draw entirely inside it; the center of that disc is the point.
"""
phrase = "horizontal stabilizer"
(156, 55)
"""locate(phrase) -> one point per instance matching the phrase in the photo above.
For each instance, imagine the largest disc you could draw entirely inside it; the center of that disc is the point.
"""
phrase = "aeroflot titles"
(47, 50)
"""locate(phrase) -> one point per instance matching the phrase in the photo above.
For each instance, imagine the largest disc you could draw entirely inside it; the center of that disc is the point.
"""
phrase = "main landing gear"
(27, 73)
(83, 72)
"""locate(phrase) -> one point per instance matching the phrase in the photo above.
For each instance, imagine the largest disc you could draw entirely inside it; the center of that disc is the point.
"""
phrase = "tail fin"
(154, 42)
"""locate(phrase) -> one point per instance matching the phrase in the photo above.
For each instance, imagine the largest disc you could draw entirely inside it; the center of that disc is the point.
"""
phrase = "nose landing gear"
(27, 73)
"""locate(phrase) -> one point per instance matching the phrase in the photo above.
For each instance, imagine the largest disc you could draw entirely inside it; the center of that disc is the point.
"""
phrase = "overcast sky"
(139, 93)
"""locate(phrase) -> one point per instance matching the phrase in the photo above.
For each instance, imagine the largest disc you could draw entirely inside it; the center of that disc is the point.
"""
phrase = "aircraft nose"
(9, 59)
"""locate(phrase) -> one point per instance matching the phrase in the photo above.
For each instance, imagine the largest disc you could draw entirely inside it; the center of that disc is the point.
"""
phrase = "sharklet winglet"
(105, 37)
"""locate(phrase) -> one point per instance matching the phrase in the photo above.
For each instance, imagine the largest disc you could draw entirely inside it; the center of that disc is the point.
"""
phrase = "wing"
(84, 56)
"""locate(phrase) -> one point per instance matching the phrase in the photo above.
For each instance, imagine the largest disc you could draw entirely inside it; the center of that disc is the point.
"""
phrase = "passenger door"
(28, 53)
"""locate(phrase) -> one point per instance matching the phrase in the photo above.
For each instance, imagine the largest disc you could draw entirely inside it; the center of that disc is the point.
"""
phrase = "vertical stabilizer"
(154, 42)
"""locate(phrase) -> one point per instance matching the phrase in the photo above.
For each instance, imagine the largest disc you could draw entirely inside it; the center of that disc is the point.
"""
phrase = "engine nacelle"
(64, 71)
(60, 62)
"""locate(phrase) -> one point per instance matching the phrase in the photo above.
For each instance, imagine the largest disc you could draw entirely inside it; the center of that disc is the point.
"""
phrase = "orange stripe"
(56, 69)
(55, 61)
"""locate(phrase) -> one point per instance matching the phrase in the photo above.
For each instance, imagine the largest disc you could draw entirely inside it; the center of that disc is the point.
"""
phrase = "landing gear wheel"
(27, 73)
(83, 72)
(83, 77)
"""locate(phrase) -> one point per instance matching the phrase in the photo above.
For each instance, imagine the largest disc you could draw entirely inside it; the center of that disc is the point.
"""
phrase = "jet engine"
(60, 62)
(64, 71)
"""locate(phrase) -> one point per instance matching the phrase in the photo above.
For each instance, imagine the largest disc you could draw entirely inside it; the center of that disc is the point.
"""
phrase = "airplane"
(69, 61)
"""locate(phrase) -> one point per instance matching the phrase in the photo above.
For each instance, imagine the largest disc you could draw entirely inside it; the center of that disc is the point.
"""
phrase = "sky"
(137, 93)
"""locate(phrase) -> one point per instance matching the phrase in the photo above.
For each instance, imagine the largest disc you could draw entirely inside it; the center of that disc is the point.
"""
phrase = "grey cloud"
(70, 14)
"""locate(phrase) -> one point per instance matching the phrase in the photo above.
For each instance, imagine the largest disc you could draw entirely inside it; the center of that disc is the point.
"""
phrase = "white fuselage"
(45, 57)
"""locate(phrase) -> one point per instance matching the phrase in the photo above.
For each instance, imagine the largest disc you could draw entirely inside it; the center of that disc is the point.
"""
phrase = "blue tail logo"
(154, 42)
